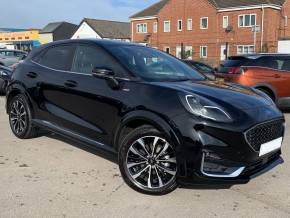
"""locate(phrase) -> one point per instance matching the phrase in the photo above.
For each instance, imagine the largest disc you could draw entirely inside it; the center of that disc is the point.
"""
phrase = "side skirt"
(73, 135)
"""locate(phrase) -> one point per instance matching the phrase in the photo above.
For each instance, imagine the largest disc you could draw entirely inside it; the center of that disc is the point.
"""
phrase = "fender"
(267, 85)
(148, 117)
(16, 87)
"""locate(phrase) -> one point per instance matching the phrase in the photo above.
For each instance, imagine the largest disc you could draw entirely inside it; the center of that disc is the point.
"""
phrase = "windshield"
(153, 65)
(203, 68)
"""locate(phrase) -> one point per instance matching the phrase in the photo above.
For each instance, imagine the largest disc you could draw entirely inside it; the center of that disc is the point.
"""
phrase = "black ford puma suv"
(167, 123)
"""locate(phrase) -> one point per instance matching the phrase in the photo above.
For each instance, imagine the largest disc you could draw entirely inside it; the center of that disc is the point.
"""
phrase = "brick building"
(212, 29)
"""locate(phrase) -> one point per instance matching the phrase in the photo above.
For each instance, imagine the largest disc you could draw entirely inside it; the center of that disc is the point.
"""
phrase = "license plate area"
(271, 146)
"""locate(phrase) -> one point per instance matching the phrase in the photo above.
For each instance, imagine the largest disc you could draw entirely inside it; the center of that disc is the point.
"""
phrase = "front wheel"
(147, 161)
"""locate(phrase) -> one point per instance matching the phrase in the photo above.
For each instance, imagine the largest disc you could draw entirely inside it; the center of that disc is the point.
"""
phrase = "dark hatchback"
(5, 76)
(167, 123)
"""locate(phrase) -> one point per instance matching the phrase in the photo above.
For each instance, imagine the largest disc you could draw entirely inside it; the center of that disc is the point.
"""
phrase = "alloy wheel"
(151, 162)
(18, 117)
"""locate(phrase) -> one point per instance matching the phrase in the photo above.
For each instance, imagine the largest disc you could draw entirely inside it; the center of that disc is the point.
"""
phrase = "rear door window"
(286, 64)
(58, 57)
(272, 62)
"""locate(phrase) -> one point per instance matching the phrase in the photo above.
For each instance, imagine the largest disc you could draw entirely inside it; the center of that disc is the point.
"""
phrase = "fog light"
(213, 166)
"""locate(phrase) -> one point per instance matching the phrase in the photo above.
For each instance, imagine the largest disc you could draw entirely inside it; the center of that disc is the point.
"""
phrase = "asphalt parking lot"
(52, 177)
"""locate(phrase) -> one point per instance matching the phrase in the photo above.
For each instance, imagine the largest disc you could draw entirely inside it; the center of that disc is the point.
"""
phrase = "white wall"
(284, 46)
(46, 38)
(7, 46)
(84, 32)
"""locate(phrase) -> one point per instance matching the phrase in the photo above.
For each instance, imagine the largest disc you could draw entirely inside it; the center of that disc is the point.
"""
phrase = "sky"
(38, 13)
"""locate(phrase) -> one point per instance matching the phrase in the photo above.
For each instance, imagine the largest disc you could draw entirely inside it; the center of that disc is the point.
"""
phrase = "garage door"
(284, 46)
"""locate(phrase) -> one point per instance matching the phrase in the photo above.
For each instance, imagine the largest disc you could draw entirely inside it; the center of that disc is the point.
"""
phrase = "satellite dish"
(229, 29)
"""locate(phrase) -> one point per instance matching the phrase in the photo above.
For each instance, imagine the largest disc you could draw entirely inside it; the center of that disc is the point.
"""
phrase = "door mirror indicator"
(108, 75)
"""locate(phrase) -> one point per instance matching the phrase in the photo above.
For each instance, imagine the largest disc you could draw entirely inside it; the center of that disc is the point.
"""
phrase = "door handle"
(32, 75)
(277, 76)
(70, 83)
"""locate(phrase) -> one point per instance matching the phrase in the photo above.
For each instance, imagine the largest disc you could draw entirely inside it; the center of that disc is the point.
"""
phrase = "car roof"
(258, 55)
(101, 42)
(12, 50)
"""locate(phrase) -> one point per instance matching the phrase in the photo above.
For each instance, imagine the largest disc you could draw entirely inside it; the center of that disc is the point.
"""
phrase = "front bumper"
(215, 155)
(249, 172)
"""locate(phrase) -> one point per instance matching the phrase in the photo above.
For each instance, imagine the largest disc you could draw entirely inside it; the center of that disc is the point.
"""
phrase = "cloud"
(37, 13)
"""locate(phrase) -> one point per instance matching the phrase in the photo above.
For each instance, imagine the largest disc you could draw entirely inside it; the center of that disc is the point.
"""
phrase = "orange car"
(269, 73)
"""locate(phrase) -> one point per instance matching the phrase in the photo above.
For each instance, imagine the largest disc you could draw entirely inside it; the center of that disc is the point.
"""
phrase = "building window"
(204, 23)
(26, 37)
(203, 51)
(155, 27)
(179, 25)
(167, 50)
(142, 28)
(247, 20)
(225, 21)
(189, 24)
(167, 26)
(245, 49)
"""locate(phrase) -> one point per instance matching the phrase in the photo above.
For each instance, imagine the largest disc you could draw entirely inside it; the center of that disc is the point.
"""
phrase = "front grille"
(264, 133)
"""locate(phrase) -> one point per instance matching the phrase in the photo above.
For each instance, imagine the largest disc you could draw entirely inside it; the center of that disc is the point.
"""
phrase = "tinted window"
(235, 62)
(203, 67)
(19, 54)
(59, 57)
(154, 65)
(89, 57)
(286, 64)
(274, 62)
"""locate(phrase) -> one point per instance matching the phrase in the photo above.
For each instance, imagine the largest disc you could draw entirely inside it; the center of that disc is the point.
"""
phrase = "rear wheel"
(20, 118)
(147, 161)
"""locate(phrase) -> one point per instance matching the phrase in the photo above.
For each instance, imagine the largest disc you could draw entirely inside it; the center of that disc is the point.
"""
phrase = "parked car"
(10, 57)
(5, 76)
(270, 73)
(205, 69)
(166, 123)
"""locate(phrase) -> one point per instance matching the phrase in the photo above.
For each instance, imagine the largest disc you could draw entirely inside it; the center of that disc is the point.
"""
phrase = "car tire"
(147, 161)
(20, 118)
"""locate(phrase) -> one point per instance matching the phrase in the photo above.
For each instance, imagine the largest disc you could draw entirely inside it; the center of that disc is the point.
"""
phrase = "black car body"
(5, 76)
(167, 123)
(203, 68)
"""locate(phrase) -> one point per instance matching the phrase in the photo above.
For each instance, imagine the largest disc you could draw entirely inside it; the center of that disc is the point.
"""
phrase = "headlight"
(3, 73)
(204, 109)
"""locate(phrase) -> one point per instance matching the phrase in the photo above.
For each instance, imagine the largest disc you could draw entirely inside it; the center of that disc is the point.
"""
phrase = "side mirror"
(108, 75)
(23, 57)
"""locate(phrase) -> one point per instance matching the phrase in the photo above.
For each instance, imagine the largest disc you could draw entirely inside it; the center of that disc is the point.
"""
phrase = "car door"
(91, 106)
(49, 75)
